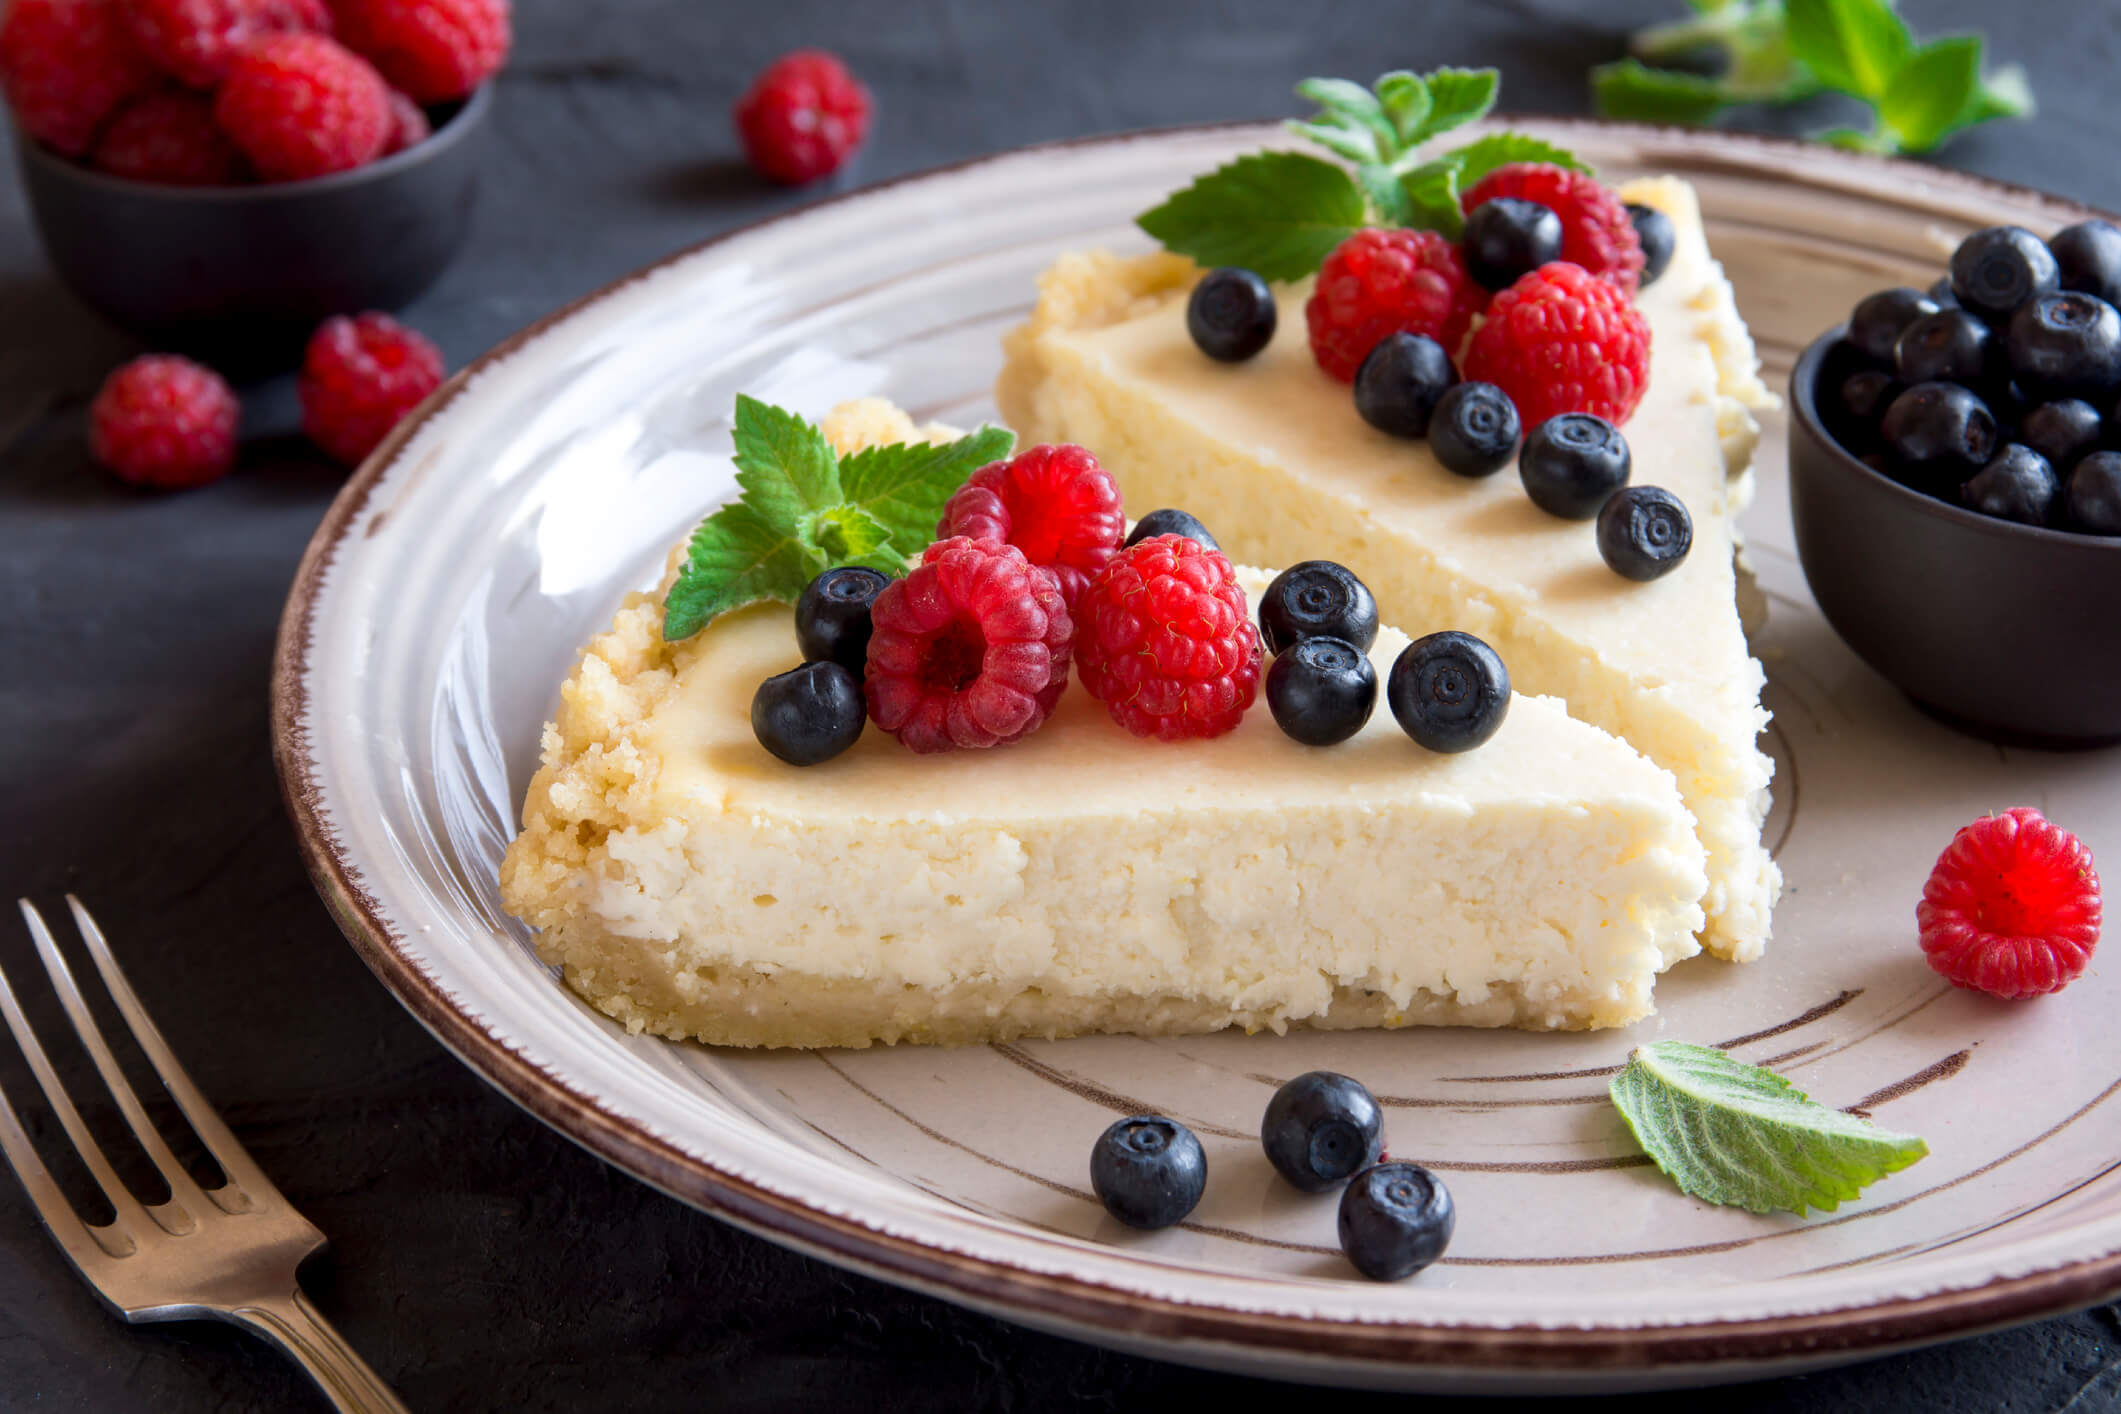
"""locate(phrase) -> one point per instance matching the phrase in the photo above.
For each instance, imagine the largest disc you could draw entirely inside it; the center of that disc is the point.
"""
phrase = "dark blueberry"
(1507, 236)
(809, 714)
(1449, 691)
(832, 617)
(1858, 401)
(1644, 532)
(2088, 258)
(2093, 494)
(1941, 292)
(1322, 691)
(1148, 1171)
(1878, 320)
(2065, 345)
(1474, 429)
(1321, 1129)
(1395, 1219)
(2061, 431)
(1937, 435)
(1996, 270)
(1570, 464)
(1657, 234)
(1170, 522)
(1317, 599)
(1947, 346)
(1401, 379)
(1231, 314)
(2018, 485)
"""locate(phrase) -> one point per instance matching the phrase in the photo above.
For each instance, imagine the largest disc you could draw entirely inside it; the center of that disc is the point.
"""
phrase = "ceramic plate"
(449, 589)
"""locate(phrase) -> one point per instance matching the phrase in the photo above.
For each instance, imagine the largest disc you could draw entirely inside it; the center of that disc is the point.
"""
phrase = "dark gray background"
(481, 1262)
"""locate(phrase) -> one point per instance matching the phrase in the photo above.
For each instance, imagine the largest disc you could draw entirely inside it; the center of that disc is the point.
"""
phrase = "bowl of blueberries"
(1955, 480)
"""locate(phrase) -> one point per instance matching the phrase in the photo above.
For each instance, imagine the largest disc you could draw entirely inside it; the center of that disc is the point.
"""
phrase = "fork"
(227, 1254)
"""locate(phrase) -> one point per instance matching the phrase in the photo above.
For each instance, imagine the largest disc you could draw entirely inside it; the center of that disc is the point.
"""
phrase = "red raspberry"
(409, 125)
(168, 136)
(803, 117)
(1166, 641)
(166, 422)
(434, 50)
(303, 105)
(1595, 230)
(1056, 504)
(1379, 282)
(2012, 908)
(969, 650)
(65, 66)
(196, 40)
(359, 377)
(1563, 340)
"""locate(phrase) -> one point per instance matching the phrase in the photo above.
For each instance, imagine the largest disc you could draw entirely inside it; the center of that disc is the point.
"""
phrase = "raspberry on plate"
(65, 66)
(196, 40)
(304, 105)
(803, 117)
(1164, 639)
(1562, 340)
(1596, 230)
(168, 136)
(1054, 503)
(359, 377)
(969, 650)
(165, 422)
(1381, 282)
(2012, 907)
(435, 51)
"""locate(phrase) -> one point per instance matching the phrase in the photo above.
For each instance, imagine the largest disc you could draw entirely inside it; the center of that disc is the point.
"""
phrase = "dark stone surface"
(481, 1262)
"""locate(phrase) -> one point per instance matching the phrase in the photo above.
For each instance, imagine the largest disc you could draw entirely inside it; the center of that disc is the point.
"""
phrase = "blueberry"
(1937, 435)
(1570, 464)
(1401, 379)
(832, 617)
(1170, 522)
(1148, 1171)
(1449, 691)
(1947, 346)
(1997, 269)
(2061, 431)
(1658, 236)
(2018, 485)
(1231, 314)
(1317, 599)
(2093, 494)
(1321, 691)
(1878, 320)
(809, 714)
(1395, 1219)
(2065, 345)
(1507, 236)
(1320, 1129)
(1474, 429)
(2088, 258)
(1644, 533)
(1856, 404)
(1940, 292)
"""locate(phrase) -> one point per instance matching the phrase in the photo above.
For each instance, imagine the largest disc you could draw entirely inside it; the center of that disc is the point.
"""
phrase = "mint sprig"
(804, 510)
(1741, 1136)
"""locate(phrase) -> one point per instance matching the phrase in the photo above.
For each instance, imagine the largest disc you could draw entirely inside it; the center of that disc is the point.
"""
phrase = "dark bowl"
(2007, 631)
(242, 274)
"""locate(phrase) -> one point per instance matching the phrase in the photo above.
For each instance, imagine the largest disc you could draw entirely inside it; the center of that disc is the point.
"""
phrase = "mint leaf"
(839, 535)
(1432, 195)
(903, 485)
(1353, 105)
(1925, 96)
(1276, 213)
(1852, 45)
(1631, 89)
(2004, 94)
(736, 557)
(1388, 196)
(1738, 1135)
(1356, 144)
(1482, 156)
(1406, 102)
(1457, 97)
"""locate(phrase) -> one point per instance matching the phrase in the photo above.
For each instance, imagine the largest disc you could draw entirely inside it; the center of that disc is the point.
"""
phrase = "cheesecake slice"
(1272, 457)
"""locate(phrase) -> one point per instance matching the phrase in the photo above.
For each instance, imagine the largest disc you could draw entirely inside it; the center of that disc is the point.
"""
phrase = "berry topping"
(1508, 236)
(1379, 282)
(1322, 691)
(168, 136)
(1165, 641)
(359, 377)
(1320, 1129)
(808, 714)
(1054, 503)
(1231, 314)
(2012, 908)
(1474, 429)
(302, 105)
(1938, 434)
(1449, 691)
(165, 422)
(2088, 258)
(433, 51)
(1561, 340)
(1596, 231)
(2061, 431)
(2018, 485)
(1997, 269)
(2093, 494)
(65, 66)
(1658, 236)
(832, 621)
(1947, 346)
(2065, 345)
(1857, 404)
(1170, 522)
(1317, 599)
(1878, 320)
(1394, 1220)
(1571, 464)
(1398, 385)
(1148, 1171)
(196, 40)
(969, 650)
(803, 117)
(409, 124)
(1644, 532)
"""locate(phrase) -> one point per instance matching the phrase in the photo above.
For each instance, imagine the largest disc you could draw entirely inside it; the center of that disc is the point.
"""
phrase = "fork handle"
(301, 1330)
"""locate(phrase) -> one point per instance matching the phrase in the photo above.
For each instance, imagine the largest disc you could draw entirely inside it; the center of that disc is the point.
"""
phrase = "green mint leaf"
(1406, 102)
(1356, 144)
(1386, 193)
(1855, 46)
(1857, 140)
(736, 557)
(1456, 97)
(840, 534)
(1631, 89)
(1276, 213)
(784, 464)
(1926, 95)
(903, 485)
(1482, 156)
(1432, 193)
(1350, 105)
(2004, 94)
(1738, 1135)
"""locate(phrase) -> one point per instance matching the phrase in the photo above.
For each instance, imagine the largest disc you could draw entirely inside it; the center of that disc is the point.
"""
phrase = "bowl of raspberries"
(219, 175)
(1955, 483)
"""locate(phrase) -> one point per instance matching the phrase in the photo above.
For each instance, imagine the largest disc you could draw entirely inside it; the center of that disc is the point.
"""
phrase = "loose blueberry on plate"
(2088, 258)
(1878, 320)
(1572, 463)
(1474, 429)
(1148, 1171)
(1997, 269)
(2093, 494)
(1644, 533)
(1231, 315)
(1937, 435)
(1322, 691)
(1658, 236)
(1947, 346)
(2065, 345)
(1170, 522)
(1401, 380)
(832, 617)
(1317, 599)
(2060, 431)
(808, 714)
(1320, 1129)
(2018, 485)
(1506, 236)
(1448, 691)
(1395, 1219)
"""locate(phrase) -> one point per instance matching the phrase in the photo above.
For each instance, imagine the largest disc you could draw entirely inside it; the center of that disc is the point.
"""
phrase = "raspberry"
(434, 50)
(359, 377)
(1056, 504)
(1562, 340)
(1166, 643)
(409, 125)
(969, 650)
(803, 116)
(166, 422)
(1379, 282)
(196, 40)
(303, 105)
(1596, 230)
(65, 66)
(2012, 908)
(168, 136)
